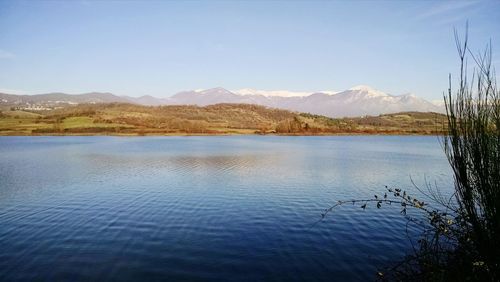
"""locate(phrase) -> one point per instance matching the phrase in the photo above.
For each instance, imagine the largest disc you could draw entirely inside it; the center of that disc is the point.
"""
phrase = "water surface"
(205, 208)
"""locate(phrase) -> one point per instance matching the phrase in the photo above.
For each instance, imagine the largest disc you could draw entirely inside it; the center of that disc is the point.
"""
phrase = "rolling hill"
(131, 119)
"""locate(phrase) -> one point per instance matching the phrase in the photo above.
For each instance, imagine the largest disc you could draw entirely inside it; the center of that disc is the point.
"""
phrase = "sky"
(160, 48)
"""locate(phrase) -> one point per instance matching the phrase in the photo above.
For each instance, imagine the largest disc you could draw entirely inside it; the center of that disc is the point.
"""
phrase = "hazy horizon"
(162, 48)
(240, 91)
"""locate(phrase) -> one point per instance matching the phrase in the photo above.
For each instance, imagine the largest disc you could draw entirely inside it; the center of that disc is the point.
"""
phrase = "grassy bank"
(220, 119)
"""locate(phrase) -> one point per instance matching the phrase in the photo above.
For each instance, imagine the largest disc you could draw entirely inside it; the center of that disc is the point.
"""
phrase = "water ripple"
(204, 208)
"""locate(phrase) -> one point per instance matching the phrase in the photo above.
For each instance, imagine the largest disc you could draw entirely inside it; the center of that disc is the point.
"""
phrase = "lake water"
(205, 208)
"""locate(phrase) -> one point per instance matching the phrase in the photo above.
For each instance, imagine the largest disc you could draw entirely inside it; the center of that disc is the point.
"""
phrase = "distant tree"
(57, 124)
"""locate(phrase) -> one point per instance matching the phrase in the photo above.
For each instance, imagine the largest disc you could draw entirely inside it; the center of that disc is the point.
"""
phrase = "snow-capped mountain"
(273, 93)
(205, 97)
(357, 101)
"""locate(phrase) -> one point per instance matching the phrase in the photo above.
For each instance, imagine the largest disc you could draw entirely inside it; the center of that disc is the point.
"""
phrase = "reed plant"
(472, 147)
(460, 235)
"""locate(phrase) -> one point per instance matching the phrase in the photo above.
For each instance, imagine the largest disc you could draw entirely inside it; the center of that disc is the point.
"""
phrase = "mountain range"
(356, 101)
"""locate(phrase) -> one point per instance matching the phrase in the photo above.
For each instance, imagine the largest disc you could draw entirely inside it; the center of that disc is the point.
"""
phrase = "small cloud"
(6, 55)
(445, 8)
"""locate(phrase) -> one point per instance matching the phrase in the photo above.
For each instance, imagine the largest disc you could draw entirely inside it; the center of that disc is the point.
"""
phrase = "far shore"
(215, 120)
(3, 134)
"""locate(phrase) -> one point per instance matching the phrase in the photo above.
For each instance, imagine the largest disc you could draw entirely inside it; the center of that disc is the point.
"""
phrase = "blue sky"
(160, 48)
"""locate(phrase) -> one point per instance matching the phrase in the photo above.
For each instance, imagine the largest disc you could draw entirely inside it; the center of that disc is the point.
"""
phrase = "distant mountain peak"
(218, 90)
(362, 88)
(271, 93)
(329, 92)
(369, 90)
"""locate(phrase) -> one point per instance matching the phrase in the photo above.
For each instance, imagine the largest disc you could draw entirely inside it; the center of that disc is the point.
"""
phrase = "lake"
(206, 208)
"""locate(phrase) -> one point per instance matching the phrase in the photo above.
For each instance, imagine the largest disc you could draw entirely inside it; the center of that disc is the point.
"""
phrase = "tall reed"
(472, 147)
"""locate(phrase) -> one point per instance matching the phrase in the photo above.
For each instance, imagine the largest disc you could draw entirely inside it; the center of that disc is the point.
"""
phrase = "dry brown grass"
(129, 119)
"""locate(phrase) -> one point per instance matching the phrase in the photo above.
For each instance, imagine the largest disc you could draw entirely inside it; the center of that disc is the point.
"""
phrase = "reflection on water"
(204, 208)
(213, 165)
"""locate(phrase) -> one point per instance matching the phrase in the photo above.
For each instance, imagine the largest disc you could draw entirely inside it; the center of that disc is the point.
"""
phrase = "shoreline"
(217, 120)
(224, 134)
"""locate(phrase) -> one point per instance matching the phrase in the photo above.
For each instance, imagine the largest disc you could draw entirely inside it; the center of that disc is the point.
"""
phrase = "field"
(128, 119)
